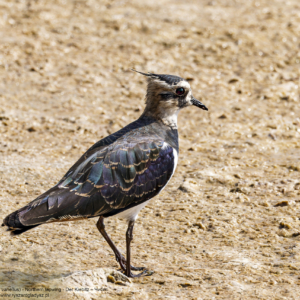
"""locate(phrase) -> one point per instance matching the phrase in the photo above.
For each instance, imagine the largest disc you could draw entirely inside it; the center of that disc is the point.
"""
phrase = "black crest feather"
(169, 79)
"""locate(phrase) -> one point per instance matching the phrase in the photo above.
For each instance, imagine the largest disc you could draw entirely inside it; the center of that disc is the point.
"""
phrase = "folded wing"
(105, 181)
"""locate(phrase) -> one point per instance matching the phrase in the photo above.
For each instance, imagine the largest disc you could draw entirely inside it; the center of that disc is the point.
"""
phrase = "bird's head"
(167, 95)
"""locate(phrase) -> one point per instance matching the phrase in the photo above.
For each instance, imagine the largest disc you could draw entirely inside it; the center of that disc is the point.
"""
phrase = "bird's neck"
(165, 128)
(167, 116)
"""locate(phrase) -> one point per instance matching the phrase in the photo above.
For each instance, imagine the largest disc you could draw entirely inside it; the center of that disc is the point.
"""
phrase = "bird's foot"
(122, 261)
(144, 273)
(137, 268)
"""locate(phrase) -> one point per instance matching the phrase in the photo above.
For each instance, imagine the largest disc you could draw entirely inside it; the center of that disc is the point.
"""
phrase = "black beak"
(198, 104)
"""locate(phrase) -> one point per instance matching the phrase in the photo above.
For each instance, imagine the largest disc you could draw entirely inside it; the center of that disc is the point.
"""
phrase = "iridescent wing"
(105, 181)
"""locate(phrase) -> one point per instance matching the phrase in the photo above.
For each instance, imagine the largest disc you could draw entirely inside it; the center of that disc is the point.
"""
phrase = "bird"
(119, 174)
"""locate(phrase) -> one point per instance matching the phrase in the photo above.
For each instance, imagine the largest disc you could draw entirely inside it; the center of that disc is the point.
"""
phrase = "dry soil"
(227, 225)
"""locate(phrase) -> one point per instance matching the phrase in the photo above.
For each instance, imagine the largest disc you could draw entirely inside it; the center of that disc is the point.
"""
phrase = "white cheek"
(189, 97)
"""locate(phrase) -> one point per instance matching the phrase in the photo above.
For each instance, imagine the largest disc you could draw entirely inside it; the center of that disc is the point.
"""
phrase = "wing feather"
(106, 181)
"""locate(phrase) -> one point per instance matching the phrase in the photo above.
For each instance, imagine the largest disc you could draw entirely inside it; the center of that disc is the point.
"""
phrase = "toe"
(144, 273)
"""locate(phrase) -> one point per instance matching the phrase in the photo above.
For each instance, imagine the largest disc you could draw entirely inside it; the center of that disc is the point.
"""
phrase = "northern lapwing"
(119, 174)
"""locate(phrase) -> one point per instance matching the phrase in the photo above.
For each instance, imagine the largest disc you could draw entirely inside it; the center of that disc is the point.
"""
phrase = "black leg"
(129, 238)
(119, 257)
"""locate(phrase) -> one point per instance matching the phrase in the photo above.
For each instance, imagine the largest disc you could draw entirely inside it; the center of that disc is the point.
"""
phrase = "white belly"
(132, 213)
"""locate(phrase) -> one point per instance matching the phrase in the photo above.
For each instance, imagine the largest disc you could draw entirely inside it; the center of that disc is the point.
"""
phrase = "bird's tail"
(22, 220)
(12, 221)
(55, 205)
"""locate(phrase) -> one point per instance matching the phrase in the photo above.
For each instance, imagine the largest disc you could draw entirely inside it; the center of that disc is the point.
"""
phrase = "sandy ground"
(227, 225)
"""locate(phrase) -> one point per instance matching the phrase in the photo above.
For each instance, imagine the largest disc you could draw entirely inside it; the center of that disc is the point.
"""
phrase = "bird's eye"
(180, 91)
